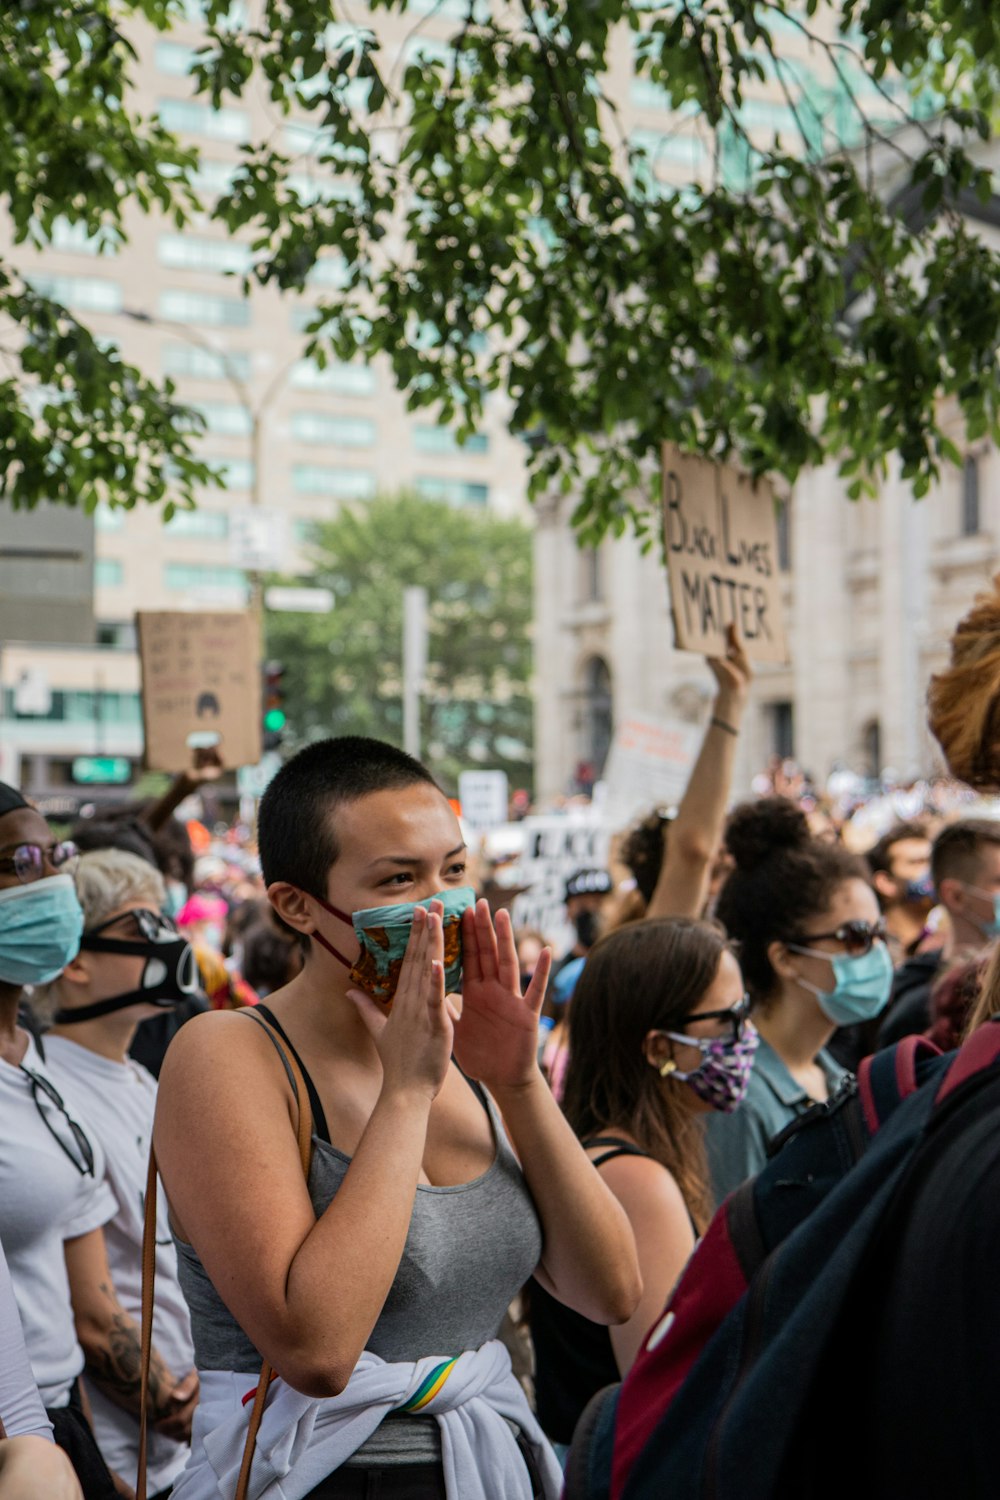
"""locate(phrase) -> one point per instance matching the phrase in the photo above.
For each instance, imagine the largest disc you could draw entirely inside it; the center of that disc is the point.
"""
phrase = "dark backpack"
(711, 1404)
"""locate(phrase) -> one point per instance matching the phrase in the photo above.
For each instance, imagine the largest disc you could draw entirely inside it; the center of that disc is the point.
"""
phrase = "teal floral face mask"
(384, 931)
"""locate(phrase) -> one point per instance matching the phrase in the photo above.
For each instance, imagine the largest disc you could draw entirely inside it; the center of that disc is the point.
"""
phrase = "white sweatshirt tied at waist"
(302, 1439)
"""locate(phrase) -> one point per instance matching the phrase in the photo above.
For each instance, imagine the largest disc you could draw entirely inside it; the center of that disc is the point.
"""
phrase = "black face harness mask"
(170, 972)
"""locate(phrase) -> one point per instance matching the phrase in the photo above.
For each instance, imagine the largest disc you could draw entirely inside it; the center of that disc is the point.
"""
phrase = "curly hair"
(963, 702)
(783, 877)
(642, 852)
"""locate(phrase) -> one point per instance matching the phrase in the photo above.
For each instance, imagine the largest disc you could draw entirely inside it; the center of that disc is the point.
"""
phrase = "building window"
(119, 634)
(180, 576)
(454, 491)
(108, 572)
(187, 252)
(173, 58)
(344, 432)
(201, 307)
(592, 590)
(191, 362)
(213, 176)
(109, 518)
(236, 472)
(343, 380)
(970, 496)
(598, 714)
(783, 525)
(443, 440)
(202, 119)
(226, 419)
(213, 524)
(73, 239)
(782, 717)
(871, 737)
(342, 484)
(87, 293)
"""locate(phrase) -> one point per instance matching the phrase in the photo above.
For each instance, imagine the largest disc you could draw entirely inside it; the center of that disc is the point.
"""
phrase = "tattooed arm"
(110, 1338)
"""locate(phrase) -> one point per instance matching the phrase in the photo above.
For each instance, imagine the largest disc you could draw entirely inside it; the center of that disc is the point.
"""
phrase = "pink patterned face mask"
(722, 1076)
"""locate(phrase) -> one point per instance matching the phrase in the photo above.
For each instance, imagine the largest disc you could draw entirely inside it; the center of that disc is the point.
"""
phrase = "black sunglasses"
(28, 861)
(85, 1163)
(857, 937)
(148, 927)
(737, 1015)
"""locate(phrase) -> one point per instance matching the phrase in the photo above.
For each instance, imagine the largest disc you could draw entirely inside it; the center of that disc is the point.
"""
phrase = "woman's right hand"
(31, 1466)
(414, 1041)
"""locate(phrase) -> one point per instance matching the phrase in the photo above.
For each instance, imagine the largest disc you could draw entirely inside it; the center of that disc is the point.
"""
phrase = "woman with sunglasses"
(813, 953)
(132, 965)
(54, 1200)
(659, 1037)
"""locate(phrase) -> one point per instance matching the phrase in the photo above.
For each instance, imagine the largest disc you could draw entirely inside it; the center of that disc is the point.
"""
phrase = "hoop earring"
(668, 1067)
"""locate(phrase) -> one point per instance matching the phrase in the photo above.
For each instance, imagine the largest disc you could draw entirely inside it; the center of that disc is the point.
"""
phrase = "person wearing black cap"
(53, 1197)
(585, 892)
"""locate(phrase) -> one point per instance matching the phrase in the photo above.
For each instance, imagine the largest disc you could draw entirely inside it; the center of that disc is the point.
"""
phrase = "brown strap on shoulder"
(267, 1374)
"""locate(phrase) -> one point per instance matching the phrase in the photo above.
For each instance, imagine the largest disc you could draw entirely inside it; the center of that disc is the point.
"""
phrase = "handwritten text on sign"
(721, 542)
(200, 687)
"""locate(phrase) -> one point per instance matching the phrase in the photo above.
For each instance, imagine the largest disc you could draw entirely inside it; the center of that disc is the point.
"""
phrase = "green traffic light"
(275, 719)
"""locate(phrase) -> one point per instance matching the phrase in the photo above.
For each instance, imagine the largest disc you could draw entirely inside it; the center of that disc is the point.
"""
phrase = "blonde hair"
(988, 1001)
(963, 702)
(106, 880)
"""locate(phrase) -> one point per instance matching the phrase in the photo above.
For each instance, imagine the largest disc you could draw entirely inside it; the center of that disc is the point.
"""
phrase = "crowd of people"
(399, 1147)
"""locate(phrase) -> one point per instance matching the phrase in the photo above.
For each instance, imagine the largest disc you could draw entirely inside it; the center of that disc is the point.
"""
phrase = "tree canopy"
(818, 293)
(343, 670)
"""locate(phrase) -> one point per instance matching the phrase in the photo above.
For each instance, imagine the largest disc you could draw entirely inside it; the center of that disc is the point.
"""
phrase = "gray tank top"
(468, 1251)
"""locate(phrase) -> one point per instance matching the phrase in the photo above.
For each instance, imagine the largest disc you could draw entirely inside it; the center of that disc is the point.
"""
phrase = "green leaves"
(810, 291)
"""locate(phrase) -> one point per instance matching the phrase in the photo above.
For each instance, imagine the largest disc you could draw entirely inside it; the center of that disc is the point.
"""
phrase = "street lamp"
(256, 412)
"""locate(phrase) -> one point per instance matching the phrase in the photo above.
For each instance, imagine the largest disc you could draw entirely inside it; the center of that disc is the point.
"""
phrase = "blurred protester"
(965, 868)
(658, 1037)
(132, 963)
(271, 956)
(202, 920)
(813, 954)
(53, 1196)
(901, 876)
(530, 945)
(954, 998)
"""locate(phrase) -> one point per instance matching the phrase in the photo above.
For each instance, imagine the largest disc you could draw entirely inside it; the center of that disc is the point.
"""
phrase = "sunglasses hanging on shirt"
(170, 972)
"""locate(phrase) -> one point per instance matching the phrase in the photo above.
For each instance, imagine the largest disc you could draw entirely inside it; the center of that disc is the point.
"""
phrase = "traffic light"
(274, 718)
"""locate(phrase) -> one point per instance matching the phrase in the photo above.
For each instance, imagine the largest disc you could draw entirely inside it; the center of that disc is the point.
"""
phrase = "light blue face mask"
(988, 929)
(40, 929)
(384, 931)
(863, 987)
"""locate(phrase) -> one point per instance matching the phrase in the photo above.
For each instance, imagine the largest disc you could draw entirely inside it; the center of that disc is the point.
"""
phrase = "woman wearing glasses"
(659, 1037)
(53, 1197)
(813, 953)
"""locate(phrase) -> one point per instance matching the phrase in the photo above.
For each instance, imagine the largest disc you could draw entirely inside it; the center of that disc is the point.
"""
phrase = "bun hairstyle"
(783, 878)
(963, 702)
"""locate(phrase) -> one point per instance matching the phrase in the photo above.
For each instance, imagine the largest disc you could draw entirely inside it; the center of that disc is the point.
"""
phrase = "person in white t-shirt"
(30, 1463)
(131, 964)
(53, 1197)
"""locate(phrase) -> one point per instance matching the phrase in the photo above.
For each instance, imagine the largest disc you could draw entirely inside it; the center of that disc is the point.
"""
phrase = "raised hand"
(414, 1041)
(732, 672)
(496, 1036)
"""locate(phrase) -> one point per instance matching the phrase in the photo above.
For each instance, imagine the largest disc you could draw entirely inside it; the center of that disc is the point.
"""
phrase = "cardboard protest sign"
(721, 543)
(201, 687)
(555, 847)
(649, 766)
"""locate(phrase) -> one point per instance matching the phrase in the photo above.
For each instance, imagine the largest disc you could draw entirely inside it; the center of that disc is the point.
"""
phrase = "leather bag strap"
(267, 1374)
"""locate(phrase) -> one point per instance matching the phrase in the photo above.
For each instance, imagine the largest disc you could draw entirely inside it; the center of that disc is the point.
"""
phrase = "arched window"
(597, 713)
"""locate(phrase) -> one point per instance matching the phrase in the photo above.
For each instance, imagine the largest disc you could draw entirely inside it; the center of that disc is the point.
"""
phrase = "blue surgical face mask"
(863, 987)
(988, 929)
(40, 929)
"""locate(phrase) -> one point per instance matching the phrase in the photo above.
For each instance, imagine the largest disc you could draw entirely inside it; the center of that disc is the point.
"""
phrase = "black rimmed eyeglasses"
(736, 1015)
(84, 1162)
(28, 861)
(857, 937)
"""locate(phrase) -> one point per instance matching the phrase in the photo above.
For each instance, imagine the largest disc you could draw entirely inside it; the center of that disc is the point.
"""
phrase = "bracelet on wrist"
(722, 724)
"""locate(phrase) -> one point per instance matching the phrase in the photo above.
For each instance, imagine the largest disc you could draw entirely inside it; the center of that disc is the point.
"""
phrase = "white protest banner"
(483, 796)
(201, 687)
(721, 543)
(648, 767)
(555, 847)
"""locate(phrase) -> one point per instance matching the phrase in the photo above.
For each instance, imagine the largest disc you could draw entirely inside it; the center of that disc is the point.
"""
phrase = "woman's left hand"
(496, 1039)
